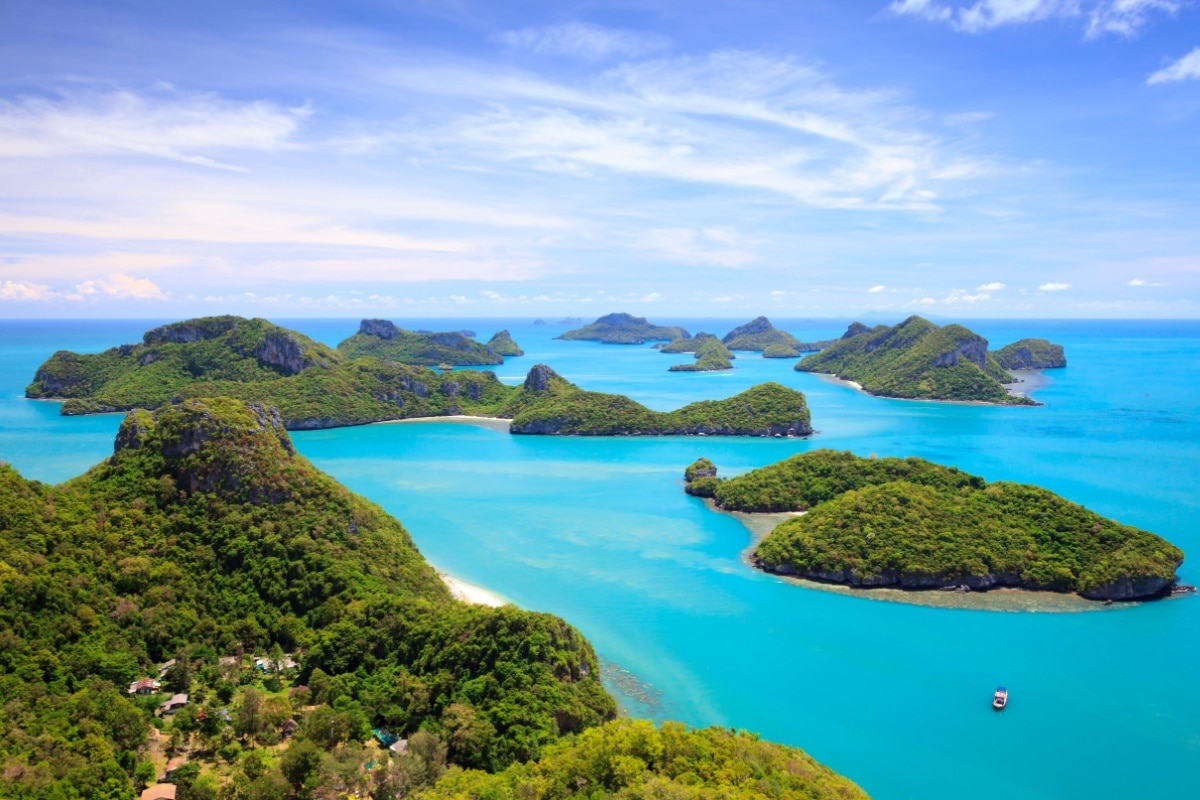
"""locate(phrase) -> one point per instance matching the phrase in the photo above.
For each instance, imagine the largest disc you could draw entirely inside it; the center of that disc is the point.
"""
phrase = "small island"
(1031, 354)
(913, 524)
(918, 360)
(380, 338)
(502, 344)
(758, 335)
(711, 356)
(624, 329)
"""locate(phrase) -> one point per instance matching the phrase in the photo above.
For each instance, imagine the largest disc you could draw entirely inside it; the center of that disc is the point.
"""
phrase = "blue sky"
(959, 158)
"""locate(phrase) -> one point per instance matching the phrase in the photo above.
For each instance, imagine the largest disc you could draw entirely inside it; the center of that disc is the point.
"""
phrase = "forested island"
(1031, 354)
(913, 524)
(624, 329)
(760, 335)
(917, 360)
(381, 338)
(206, 539)
(711, 356)
(315, 386)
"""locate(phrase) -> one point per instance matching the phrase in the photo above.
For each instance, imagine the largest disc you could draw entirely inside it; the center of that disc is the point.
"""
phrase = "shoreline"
(495, 423)
(829, 377)
(470, 593)
(1004, 599)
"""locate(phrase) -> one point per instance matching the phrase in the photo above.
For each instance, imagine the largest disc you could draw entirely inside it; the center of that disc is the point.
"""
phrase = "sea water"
(894, 695)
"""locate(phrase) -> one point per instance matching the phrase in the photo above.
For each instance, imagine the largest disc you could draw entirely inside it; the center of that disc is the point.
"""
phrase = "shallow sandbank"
(495, 423)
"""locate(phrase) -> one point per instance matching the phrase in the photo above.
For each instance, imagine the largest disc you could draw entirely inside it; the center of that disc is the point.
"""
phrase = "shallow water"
(894, 695)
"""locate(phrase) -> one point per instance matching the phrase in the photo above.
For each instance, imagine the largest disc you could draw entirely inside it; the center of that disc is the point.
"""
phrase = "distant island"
(917, 360)
(913, 524)
(1031, 354)
(315, 386)
(711, 355)
(624, 329)
(381, 338)
(759, 335)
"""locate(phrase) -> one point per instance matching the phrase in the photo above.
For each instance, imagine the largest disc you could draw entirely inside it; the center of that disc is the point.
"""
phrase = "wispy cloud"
(583, 40)
(20, 291)
(877, 289)
(1186, 68)
(121, 286)
(990, 287)
(1120, 17)
(1053, 287)
(1143, 282)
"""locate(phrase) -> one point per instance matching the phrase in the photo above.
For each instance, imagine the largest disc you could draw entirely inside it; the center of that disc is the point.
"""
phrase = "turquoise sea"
(896, 696)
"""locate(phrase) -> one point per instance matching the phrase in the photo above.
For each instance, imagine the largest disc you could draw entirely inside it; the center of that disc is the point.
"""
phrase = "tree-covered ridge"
(624, 329)
(711, 356)
(687, 345)
(758, 334)
(918, 360)
(633, 759)
(915, 524)
(548, 404)
(1031, 354)
(205, 533)
(780, 350)
(380, 338)
(502, 344)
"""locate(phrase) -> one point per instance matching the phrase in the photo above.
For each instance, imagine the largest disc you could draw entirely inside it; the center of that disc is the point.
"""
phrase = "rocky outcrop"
(282, 352)
(502, 344)
(381, 328)
(1031, 354)
(193, 330)
(967, 346)
(540, 378)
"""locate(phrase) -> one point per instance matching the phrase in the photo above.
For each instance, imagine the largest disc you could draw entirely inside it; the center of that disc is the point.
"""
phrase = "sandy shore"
(470, 593)
(494, 423)
(1030, 381)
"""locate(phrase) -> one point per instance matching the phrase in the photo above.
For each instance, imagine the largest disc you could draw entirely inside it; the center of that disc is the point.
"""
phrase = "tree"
(299, 763)
(178, 678)
(250, 718)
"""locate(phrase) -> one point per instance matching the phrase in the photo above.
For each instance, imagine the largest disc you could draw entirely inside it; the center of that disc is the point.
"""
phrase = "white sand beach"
(469, 593)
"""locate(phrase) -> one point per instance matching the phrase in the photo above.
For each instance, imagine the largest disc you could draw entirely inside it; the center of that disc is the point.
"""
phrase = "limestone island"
(711, 356)
(381, 338)
(759, 335)
(624, 329)
(314, 386)
(917, 359)
(1031, 354)
(912, 524)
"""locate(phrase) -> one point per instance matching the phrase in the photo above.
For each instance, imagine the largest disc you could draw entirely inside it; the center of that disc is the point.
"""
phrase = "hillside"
(917, 360)
(1031, 354)
(687, 345)
(915, 524)
(206, 535)
(759, 334)
(548, 404)
(502, 344)
(380, 338)
(711, 356)
(624, 329)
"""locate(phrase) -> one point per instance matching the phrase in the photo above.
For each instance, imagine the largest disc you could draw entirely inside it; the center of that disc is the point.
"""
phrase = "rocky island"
(711, 356)
(380, 338)
(548, 404)
(1031, 354)
(913, 524)
(502, 344)
(917, 360)
(758, 335)
(624, 329)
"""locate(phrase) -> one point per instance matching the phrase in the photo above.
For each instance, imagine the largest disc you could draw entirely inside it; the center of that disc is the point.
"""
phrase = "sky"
(472, 158)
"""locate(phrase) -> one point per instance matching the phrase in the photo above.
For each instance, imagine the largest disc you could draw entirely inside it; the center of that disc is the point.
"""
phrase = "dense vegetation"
(548, 404)
(917, 359)
(780, 350)
(633, 759)
(502, 344)
(687, 345)
(380, 338)
(912, 523)
(758, 334)
(206, 534)
(624, 329)
(1031, 354)
(711, 356)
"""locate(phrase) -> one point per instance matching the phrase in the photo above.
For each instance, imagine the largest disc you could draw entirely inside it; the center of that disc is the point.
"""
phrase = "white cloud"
(1137, 282)
(582, 40)
(1053, 287)
(190, 128)
(121, 286)
(963, 296)
(1121, 17)
(990, 287)
(1186, 68)
(877, 289)
(16, 290)
(925, 301)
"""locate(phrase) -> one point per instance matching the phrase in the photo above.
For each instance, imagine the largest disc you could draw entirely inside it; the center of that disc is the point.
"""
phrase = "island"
(548, 404)
(759, 334)
(502, 344)
(1031, 354)
(917, 359)
(913, 524)
(688, 345)
(314, 387)
(207, 601)
(624, 329)
(780, 350)
(711, 356)
(380, 338)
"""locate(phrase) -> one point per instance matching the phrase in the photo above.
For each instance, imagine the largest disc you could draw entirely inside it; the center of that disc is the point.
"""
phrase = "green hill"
(548, 404)
(918, 360)
(915, 524)
(502, 344)
(380, 338)
(711, 356)
(624, 329)
(205, 534)
(1031, 354)
(687, 345)
(759, 334)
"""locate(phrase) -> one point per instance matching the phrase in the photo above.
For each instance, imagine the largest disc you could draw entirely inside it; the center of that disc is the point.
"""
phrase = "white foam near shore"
(470, 593)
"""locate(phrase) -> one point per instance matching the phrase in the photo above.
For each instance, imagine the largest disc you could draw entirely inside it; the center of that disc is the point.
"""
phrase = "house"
(399, 747)
(385, 737)
(144, 686)
(289, 727)
(267, 665)
(176, 702)
(229, 661)
(172, 765)
(162, 669)
(160, 791)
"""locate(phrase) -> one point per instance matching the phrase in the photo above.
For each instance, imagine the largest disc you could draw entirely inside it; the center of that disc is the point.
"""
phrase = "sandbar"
(495, 423)
(470, 593)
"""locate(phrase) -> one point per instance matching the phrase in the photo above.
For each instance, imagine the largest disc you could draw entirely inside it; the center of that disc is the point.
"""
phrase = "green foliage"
(633, 759)
(917, 359)
(382, 340)
(687, 345)
(548, 404)
(759, 334)
(711, 356)
(502, 344)
(204, 533)
(624, 329)
(780, 350)
(1031, 354)
(913, 523)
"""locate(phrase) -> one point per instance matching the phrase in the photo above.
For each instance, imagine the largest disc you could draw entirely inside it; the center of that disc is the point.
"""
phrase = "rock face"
(381, 328)
(282, 352)
(193, 330)
(966, 346)
(539, 378)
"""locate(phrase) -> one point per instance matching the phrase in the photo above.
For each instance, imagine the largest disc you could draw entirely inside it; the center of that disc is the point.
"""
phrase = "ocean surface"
(896, 696)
